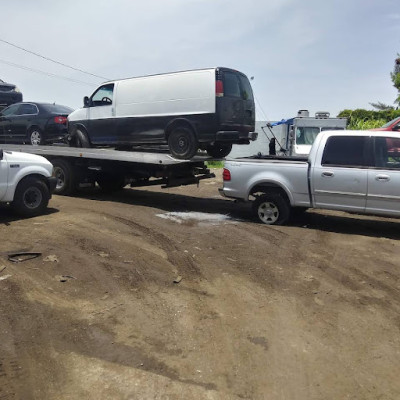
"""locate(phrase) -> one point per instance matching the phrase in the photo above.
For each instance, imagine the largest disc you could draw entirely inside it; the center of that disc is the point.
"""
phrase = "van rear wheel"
(182, 143)
(219, 150)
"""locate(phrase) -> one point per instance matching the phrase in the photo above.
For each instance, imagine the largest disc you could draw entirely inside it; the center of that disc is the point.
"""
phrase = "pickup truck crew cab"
(26, 182)
(357, 171)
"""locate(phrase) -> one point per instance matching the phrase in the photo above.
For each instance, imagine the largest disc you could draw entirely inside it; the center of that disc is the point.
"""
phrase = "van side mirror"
(86, 101)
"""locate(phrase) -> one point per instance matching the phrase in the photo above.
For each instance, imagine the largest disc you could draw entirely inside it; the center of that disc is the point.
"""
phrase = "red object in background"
(393, 125)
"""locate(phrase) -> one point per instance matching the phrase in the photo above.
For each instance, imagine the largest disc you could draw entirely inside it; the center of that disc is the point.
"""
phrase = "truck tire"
(182, 143)
(271, 209)
(31, 197)
(80, 139)
(219, 150)
(66, 177)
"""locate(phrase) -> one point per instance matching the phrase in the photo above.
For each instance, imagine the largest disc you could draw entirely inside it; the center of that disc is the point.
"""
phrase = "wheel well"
(83, 129)
(269, 188)
(38, 176)
(33, 127)
(178, 122)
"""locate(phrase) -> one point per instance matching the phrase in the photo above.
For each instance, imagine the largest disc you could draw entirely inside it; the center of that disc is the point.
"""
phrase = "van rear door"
(235, 103)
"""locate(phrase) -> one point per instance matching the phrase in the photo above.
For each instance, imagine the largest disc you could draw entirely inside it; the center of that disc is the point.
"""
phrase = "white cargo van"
(207, 109)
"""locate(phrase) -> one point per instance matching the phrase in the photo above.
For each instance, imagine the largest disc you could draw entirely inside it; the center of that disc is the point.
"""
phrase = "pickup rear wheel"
(271, 209)
(182, 143)
(31, 197)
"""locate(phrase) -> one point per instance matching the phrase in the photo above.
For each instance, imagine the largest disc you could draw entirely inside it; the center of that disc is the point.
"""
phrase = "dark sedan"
(9, 94)
(33, 123)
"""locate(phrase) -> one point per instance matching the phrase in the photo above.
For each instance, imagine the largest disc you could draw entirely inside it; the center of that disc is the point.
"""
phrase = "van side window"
(387, 152)
(231, 85)
(346, 151)
(103, 96)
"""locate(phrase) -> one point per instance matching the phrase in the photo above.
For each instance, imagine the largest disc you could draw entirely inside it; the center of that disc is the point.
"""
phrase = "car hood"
(27, 159)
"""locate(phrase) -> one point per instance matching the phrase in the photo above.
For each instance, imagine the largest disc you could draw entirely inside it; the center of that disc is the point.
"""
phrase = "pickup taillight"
(226, 175)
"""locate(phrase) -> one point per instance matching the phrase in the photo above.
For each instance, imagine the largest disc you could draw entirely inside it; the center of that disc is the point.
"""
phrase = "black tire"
(182, 143)
(111, 183)
(271, 209)
(35, 137)
(66, 177)
(31, 197)
(80, 139)
(219, 150)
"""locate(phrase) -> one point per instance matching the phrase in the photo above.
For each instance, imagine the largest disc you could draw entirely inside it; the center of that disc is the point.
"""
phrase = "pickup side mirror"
(86, 101)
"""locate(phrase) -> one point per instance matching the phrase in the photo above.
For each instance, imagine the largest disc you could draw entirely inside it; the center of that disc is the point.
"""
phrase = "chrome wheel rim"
(32, 198)
(35, 138)
(268, 212)
(60, 176)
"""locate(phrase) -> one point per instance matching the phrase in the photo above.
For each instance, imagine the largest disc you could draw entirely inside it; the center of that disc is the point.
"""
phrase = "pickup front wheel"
(31, 197)
(271, 209)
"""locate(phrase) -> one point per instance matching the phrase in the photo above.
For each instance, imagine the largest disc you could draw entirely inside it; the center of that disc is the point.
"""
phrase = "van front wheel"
(182, 143)
(219, 150)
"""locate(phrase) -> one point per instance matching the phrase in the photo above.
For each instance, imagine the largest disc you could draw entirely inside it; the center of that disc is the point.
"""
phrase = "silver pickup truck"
(356, 171)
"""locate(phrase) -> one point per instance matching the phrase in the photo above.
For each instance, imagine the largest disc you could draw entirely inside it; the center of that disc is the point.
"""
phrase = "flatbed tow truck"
(114, 169)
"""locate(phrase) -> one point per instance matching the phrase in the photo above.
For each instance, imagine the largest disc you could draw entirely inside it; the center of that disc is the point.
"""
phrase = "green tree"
(395, 75)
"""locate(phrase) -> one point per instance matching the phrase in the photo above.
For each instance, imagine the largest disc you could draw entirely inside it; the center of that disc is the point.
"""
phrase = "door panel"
(339, 179)
(340, 188)
(384, 180)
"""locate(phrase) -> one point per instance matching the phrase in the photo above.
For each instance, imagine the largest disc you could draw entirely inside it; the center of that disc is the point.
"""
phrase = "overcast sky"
(312, 54)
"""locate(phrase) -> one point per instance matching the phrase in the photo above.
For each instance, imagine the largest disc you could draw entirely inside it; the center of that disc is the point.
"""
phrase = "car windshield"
(391, 122)
(57, 109)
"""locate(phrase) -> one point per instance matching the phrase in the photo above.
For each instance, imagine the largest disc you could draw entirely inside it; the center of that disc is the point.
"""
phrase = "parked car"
(33, 123)
(26, 182)
(208, 109)
(393, 125)
(9, 94)
(345, 170)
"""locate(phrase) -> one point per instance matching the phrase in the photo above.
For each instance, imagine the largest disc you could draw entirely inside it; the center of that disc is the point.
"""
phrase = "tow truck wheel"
(31, 197)
(66, 178)
(182, 143)
(271, 209)
(219, 150)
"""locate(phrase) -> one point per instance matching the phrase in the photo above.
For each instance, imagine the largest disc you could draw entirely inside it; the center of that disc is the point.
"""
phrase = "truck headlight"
(17, 90)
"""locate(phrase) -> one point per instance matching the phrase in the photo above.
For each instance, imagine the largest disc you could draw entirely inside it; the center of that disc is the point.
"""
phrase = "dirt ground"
(306, 311)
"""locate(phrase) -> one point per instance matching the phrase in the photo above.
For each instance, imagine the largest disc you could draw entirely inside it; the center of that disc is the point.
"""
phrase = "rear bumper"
(235, 136)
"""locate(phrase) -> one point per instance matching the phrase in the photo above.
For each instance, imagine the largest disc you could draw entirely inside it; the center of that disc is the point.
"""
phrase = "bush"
(368, 119)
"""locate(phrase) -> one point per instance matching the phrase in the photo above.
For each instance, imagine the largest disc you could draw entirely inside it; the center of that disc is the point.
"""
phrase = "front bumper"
(236, 137)
(52, 181)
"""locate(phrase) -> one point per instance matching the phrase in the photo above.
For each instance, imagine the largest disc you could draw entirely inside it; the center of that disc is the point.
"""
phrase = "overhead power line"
(54, 61)
(38, 71)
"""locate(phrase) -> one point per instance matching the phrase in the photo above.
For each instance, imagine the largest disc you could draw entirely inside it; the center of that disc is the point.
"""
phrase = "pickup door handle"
(382, 178)
(327, 174)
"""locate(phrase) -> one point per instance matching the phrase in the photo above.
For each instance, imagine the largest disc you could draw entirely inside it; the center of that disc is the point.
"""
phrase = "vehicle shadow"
(7, 216)
(329, 221)
(349, 224)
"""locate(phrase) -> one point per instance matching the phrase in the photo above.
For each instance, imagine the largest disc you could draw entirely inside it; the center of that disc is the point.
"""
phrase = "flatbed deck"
(143, 157)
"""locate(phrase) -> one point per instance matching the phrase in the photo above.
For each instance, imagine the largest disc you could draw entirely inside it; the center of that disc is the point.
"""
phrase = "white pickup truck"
(356, 171)
(26, 182)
